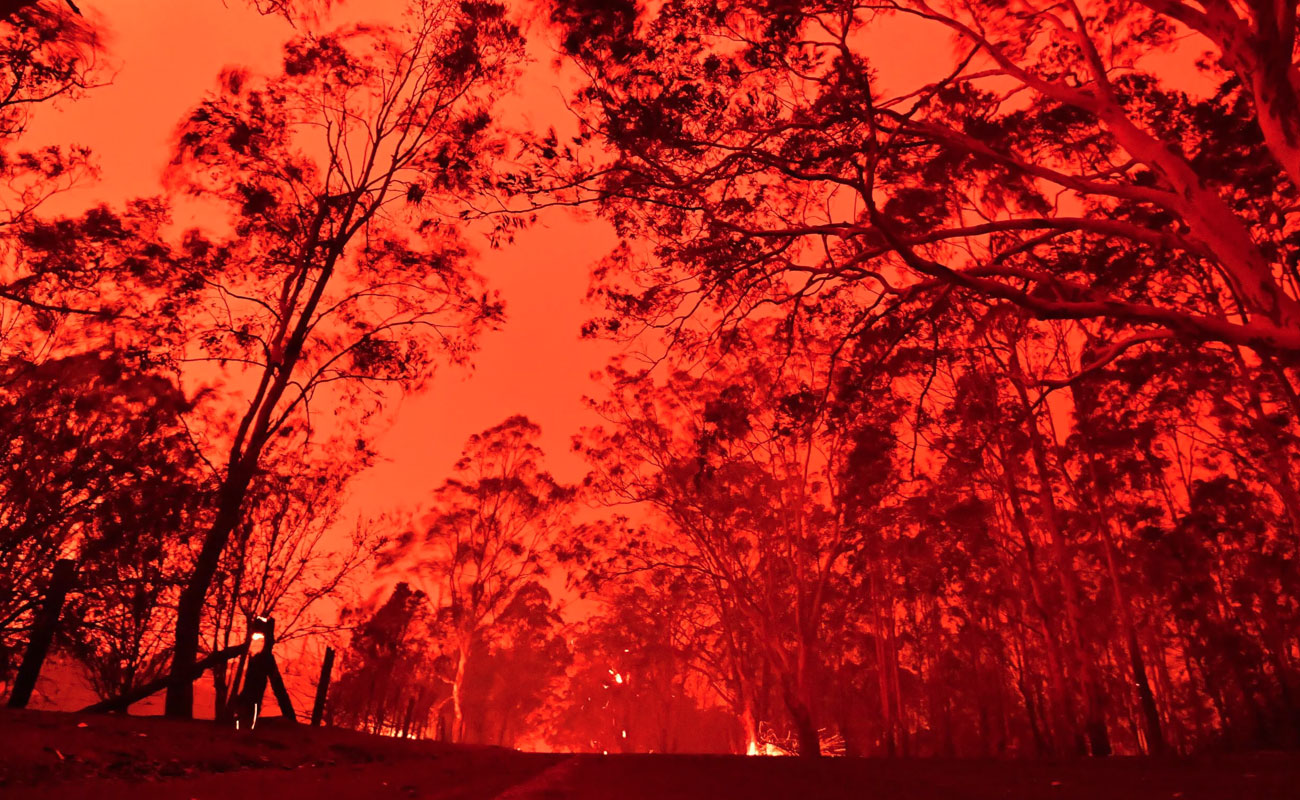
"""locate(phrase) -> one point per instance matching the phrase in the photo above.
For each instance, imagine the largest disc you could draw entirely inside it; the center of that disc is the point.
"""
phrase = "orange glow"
(940, 391)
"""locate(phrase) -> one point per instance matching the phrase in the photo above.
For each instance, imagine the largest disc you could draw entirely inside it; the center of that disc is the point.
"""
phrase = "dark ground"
(57, 756)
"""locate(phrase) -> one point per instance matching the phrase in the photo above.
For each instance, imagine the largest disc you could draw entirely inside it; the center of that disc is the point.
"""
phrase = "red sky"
(164, 55)
(167, 54)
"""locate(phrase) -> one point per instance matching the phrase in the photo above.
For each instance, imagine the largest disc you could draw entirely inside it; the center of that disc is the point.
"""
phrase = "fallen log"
(123, 702)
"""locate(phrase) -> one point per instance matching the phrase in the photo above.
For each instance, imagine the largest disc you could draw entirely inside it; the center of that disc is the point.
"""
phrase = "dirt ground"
(63, 756)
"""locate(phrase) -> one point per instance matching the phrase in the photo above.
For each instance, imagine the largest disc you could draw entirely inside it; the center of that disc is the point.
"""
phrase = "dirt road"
(78, 757)
(495, 776)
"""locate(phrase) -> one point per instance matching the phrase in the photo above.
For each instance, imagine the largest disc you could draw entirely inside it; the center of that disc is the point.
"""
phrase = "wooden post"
(249, 706)
(322, 688)
(277, 687)
(43, 628)
(229, 707)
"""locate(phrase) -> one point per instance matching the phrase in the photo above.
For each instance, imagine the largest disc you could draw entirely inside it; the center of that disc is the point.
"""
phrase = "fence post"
(279, 690)
(43, 628)
(322, 688)
(258, 674)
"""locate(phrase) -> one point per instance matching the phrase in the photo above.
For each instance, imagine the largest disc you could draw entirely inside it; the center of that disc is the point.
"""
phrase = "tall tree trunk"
(457, 689)
(1065, 729)
(1280, 473)
(1028, 697)
(250, 439)
(1152, 727)
(882, 670)
(1177, 731)
(904, 746)
(750, 726)
(1082, 661)
(805, 728)
(189, 609)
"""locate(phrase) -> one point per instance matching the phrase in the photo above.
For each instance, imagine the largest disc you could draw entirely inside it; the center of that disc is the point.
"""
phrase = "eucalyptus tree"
(493, 529)
(764, 491)
(774, 147)
(342, 276)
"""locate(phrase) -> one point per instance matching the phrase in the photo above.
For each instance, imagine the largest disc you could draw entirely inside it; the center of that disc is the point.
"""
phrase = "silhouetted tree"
(637, 683)
(390, 664)
(490, 534)
(288, 559)
(96, 467)
(747, 466)
(514, 670)
(342, 277)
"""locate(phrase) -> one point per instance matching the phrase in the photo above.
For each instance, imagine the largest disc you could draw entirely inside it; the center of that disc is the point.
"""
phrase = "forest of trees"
(955, 414)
